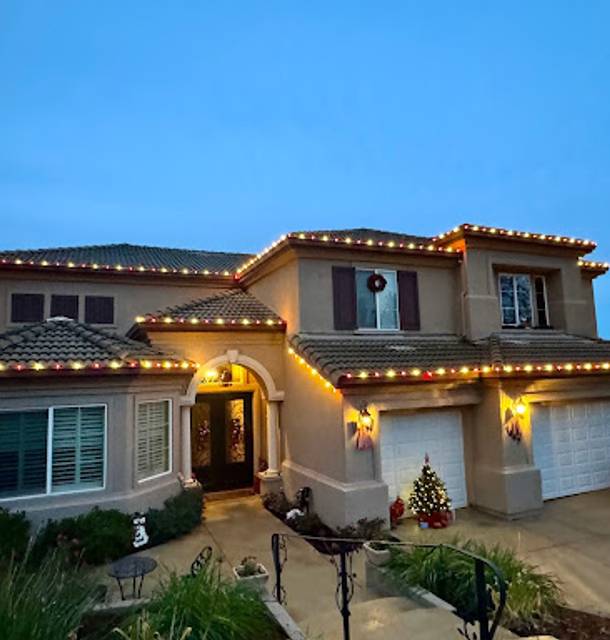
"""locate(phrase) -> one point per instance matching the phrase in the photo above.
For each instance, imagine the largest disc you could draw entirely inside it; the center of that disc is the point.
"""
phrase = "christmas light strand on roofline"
(94, 266)
(244, 322)
(312, 370)
(80, 365)
(522, 235)
(594, 266)
(439, 372)
(348, 241)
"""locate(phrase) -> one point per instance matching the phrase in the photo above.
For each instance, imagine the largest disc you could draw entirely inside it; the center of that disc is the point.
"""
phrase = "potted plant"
(251, 572)
(377, 553)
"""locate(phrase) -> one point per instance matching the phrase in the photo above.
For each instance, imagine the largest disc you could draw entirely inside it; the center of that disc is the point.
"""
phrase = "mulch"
(571, 624)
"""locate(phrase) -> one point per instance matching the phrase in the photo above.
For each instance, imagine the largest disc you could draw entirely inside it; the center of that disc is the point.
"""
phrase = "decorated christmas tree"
(429, 501)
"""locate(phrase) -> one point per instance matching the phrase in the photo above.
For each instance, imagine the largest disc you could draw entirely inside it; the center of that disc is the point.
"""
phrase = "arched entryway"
(230, 421)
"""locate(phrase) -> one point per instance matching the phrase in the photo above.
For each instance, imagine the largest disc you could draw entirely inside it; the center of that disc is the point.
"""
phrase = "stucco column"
(273, 446)
(185, 421)
(270, 479)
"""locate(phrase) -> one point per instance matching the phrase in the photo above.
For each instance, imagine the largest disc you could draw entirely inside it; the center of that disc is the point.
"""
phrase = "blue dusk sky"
(222, 125)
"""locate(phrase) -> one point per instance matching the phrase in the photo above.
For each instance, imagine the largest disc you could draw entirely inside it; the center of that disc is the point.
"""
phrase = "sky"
(222, 125)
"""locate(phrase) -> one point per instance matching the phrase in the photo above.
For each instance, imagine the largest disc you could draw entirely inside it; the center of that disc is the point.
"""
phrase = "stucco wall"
(120, 394)
(569, 293)
(134, 295)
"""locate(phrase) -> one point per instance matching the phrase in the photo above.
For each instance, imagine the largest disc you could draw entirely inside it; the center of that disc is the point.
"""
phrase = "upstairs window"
(65, 306)
(376, 309)
(99, 310)
(27, 307)
(523, 300)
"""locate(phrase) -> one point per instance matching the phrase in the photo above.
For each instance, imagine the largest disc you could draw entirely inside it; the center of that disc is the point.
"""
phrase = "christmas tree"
(429, 496)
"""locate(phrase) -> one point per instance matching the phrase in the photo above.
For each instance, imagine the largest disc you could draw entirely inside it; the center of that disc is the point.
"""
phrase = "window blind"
(23, 453)
(78, 448)
(153, 438)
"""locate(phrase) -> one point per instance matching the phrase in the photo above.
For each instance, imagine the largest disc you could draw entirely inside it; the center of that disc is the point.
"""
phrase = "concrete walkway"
(571, 540)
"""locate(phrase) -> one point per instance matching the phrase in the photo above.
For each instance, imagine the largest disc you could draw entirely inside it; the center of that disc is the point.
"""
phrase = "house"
(332, 359)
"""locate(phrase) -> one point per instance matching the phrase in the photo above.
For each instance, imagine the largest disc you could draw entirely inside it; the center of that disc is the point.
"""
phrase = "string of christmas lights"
(269, 322)
(78, 365)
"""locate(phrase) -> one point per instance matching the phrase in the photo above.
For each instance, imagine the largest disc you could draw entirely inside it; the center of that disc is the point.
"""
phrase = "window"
(99, 310)
(66, 306)
(23, 453)
(376, 310)
(62, 449)
(27, 307)
(523, 300)
(78, 444)
(153, 426)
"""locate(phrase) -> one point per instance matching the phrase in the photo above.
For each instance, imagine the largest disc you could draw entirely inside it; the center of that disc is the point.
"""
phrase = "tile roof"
(230, 307)
(363, 234)
(61, 343)
(391, 358)
(129, 257)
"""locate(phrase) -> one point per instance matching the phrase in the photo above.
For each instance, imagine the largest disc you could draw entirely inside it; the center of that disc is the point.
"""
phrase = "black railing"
(341, 550)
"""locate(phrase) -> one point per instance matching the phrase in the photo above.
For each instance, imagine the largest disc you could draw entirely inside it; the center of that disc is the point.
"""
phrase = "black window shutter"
(99, 310)
(66, 306)
(27, 307)
(344, 297)
(408, 300)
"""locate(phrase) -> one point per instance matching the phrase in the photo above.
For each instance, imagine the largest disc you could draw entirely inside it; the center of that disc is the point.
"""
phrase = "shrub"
(179, 516)
(212, 606)
(95, 537)
(532, 596)
(142, 629)
(278, 504)
(14, 534)
(45, 603)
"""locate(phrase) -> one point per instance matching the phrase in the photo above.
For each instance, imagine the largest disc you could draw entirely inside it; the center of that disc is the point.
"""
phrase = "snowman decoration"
(140, 535)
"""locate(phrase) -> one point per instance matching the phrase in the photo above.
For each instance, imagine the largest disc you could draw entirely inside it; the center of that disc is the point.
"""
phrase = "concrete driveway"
(570, 539)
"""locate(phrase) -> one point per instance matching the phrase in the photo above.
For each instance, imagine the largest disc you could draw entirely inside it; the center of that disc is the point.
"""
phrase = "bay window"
(523, 300)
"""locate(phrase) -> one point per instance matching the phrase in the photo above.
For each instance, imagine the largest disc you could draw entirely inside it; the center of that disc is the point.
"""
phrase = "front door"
(221, 440)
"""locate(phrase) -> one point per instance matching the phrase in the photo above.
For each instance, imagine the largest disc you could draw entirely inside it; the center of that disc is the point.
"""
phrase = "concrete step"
(388, 619)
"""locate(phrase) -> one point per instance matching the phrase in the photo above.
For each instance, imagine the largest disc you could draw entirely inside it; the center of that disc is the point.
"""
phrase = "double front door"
(221, 440)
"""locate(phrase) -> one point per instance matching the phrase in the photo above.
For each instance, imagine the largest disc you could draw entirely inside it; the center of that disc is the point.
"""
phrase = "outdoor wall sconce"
(364, 430)
(520, 407)
(511, 420)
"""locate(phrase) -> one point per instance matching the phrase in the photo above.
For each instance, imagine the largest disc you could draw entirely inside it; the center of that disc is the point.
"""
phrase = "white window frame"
(384, 273)
(533, 303)
(50, 411)
(170, 442)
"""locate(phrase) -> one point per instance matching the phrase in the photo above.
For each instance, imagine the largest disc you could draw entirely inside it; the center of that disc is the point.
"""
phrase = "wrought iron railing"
(484, 615)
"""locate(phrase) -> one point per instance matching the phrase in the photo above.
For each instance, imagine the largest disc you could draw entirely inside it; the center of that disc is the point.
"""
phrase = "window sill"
(155, 477)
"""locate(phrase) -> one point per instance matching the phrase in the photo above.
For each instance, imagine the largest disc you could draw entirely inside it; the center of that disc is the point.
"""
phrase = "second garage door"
(571, 445)
(405, 440)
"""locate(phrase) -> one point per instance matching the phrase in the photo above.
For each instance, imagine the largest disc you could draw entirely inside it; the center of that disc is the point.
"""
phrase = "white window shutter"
(153, 439)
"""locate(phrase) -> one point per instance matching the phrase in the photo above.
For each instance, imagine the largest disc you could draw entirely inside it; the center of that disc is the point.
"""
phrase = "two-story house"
(332, 359)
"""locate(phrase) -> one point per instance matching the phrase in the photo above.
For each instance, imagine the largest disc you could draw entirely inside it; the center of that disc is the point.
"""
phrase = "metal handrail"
(347, 546)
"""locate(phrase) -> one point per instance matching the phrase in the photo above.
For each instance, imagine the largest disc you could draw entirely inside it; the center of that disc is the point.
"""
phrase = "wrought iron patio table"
(132, 568)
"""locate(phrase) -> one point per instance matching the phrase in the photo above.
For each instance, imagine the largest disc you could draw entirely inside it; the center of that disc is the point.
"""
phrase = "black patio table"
(132, 568)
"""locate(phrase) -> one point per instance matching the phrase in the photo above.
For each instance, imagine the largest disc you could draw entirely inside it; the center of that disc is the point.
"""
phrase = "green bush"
(95, 537)
(532, 596)
(142, 629)
(45, 603)
(179, 516)
(214, 607)
(14, 534)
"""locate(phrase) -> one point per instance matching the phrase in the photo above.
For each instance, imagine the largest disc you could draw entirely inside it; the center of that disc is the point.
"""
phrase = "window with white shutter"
(153, 427)
(78, 448)
(23, 453)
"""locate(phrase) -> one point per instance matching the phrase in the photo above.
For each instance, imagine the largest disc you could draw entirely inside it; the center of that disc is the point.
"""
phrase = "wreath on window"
(376, 282)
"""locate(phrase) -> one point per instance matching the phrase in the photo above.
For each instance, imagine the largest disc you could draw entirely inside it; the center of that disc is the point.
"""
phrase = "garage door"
(571, 445)
(405, 440)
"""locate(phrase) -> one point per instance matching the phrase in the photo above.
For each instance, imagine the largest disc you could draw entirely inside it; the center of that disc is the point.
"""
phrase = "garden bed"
(570, 624)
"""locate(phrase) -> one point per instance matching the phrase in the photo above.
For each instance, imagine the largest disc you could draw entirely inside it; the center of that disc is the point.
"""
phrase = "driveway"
(570, 539)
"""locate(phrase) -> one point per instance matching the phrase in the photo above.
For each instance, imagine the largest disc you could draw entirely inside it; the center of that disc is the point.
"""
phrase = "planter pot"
(438, 520)
(256, 581)
(378, 557)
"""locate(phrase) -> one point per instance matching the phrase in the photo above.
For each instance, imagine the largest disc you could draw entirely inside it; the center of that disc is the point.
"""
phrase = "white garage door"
(405, 440)
(571, 444)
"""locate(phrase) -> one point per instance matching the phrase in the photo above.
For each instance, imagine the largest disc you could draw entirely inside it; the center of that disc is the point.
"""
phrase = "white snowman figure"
(140, 536)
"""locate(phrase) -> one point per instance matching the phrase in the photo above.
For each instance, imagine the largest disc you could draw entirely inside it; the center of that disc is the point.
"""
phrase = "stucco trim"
(233, 356)
(346, 487)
